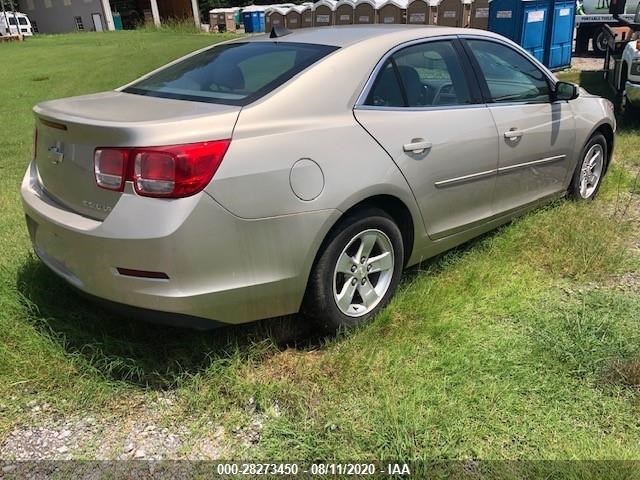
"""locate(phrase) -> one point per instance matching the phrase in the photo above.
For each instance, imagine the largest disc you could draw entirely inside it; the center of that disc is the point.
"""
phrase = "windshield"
(234, 73)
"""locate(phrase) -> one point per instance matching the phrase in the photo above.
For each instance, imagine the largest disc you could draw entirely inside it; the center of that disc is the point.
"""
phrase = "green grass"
(518, 345)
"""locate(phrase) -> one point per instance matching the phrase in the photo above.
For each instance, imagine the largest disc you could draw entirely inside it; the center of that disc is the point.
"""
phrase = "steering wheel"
(446, 89)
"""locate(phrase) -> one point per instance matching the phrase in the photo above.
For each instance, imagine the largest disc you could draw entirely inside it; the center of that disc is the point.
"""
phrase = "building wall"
(58, 16)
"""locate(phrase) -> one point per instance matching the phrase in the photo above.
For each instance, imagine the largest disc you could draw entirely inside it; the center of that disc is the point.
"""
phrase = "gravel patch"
(151, 431)
(587, 64)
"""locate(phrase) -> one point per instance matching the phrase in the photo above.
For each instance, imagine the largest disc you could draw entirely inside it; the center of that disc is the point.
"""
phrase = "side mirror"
(566, 91)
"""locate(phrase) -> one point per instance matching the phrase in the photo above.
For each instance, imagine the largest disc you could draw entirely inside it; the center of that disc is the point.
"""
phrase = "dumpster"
(450, 13)
(479, 14)
(523, 21)
(559, 44)
(344, 12)
(324, 12)
(364, 12)
(418, 12)
(392, 11)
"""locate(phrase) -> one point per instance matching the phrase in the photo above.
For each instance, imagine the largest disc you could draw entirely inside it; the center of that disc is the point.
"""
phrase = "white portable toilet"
(344, 12)
(306, 14)
(274, 16)
(418, 12)
(364, 12)
(324, 13)
(479, 14)
(450, 13)
(392, 11)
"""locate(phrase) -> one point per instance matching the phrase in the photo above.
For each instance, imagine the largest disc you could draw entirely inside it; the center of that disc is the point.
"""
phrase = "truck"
(593, 15)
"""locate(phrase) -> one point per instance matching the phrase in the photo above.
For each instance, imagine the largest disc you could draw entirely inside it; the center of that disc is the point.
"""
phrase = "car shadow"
(124, 348)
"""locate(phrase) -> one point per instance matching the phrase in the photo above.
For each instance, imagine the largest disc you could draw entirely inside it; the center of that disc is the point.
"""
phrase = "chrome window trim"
(527, 56)
(361, 100)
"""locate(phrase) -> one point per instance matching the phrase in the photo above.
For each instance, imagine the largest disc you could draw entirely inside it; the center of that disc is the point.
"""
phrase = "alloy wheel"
(363, 273)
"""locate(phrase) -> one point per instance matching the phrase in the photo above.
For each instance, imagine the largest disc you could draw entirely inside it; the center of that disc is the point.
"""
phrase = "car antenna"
(277, 32)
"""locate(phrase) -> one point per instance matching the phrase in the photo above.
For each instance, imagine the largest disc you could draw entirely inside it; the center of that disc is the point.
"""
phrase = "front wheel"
(357, 272)
(590, 169)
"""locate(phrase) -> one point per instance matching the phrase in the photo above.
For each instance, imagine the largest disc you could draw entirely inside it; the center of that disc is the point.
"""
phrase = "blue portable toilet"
(253, 18)
(523, 21)
(260, 20)
(246, 20)
(560, 35)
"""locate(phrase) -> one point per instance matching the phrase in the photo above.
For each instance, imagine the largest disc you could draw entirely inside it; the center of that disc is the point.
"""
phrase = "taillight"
(110, 167)
(171, 172)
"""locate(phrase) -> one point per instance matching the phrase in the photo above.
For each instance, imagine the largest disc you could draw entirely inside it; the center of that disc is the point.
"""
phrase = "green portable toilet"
(117, 20)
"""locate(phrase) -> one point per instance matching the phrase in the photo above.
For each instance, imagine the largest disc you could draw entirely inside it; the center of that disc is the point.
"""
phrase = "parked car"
(9, 22)
(266, 176)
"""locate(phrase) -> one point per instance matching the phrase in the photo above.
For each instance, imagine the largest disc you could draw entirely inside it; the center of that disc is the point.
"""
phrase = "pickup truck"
(630, 76)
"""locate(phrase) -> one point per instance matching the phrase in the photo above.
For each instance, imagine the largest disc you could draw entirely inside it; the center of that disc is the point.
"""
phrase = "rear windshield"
(234, 73)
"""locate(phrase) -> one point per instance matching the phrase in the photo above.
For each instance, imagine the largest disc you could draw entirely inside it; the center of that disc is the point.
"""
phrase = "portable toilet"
(293, 18)
(523, 21)
(418, 12)
(259, 24)
(450, 13)
(324, 12)
(306, 14)
(344, 12)
(217, 21)
(392, 11)
(560, 35)
(274, 16)
(246, 21)
(364, 12)
(479, 14)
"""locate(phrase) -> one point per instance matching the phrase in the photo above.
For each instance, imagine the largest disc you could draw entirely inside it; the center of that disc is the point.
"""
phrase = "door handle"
(417, 145)
(513, 134)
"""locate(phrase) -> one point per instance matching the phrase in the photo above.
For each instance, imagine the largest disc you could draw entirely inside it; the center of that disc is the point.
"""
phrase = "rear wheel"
(357, 272)
(599, 42)
(590, 169)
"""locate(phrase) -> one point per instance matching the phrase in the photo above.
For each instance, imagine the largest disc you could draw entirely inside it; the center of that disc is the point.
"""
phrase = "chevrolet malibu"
(302, 171)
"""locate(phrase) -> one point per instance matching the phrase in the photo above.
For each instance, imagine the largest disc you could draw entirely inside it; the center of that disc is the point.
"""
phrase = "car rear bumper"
(218, 266)
(632, 91)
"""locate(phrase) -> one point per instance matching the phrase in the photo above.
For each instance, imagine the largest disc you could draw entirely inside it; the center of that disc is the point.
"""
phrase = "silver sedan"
(304, 171)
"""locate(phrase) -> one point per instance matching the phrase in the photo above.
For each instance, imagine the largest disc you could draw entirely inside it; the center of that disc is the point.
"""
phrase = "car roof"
(345, 35)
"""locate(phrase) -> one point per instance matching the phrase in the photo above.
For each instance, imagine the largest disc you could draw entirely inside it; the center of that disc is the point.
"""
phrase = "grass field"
(523, 344)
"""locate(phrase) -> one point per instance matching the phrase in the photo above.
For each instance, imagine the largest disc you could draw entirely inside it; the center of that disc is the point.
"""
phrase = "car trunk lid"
(69, 130)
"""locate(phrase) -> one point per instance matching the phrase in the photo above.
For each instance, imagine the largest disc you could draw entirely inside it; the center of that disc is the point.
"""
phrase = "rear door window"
(429, 74)
(234, 73)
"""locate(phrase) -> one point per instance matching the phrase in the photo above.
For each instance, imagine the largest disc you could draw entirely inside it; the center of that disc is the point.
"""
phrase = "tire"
(337, 268)
(598, 42)
(591, 168)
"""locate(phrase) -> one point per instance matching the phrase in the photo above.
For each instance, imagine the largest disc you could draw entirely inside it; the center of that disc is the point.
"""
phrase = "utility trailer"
(592, 18)
(622, 61)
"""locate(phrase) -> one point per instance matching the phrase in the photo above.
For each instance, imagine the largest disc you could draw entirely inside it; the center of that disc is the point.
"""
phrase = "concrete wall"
(57, 16)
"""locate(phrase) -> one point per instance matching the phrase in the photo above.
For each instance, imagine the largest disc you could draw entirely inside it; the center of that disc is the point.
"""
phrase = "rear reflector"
(128, 272)
(172, 172)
